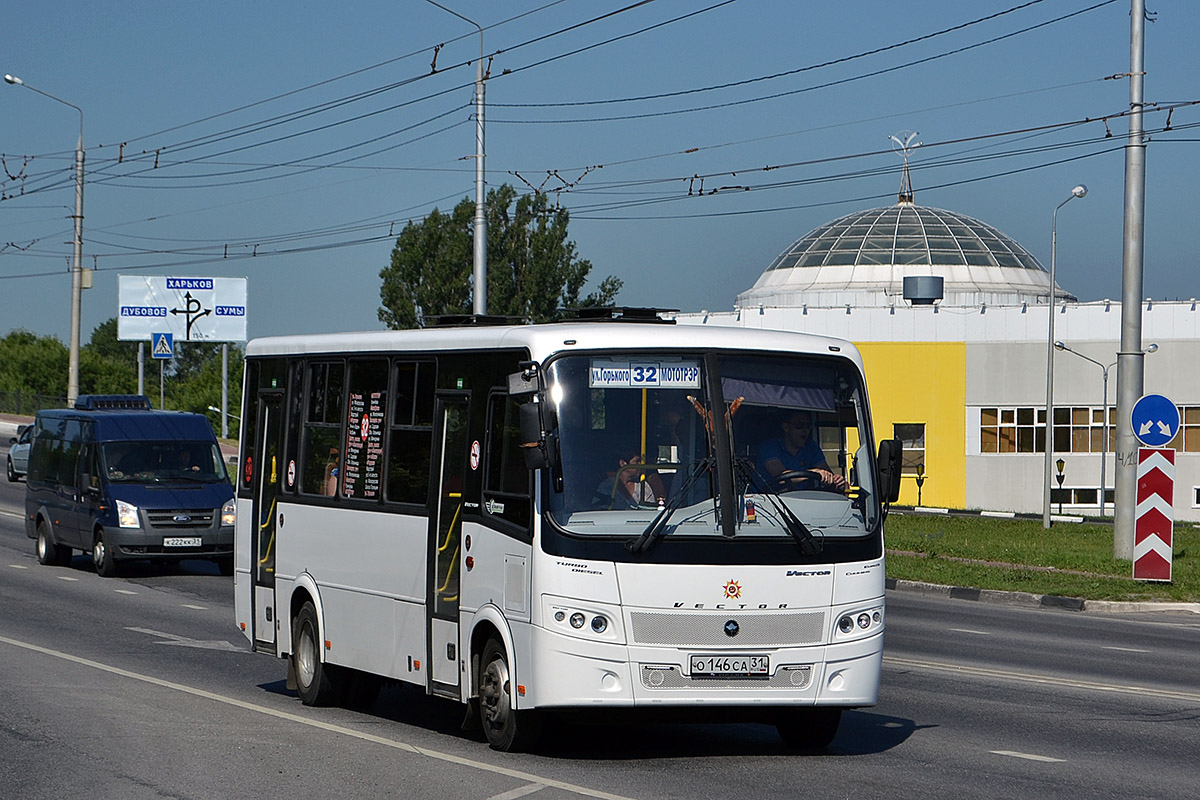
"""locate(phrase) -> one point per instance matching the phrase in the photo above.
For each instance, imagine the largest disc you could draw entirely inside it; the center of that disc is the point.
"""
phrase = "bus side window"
(411, 433)
(321, 435)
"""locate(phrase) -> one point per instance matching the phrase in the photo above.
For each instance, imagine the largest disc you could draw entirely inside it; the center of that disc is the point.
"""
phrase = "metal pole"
(77, 261)
(479, 272)
(1104, 452)
(141, 368)
(225, 390)
(1130, 358)
(1046, 478)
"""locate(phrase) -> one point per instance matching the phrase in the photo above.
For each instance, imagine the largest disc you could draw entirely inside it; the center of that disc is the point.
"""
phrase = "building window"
(1077, 429)
(1012, 430)
(912, 436)
(1188, 438)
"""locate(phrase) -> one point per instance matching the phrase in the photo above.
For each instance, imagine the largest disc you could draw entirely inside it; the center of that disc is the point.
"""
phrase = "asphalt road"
(140, 687)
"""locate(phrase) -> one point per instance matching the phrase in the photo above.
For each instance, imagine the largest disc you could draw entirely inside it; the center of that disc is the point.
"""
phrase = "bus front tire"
(102, 557)
(48, 553)
(506, 729)
(809, 728)
(314, 681)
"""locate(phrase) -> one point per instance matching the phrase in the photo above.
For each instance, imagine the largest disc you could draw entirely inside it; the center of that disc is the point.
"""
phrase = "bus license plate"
(183, 541)
(730, 665)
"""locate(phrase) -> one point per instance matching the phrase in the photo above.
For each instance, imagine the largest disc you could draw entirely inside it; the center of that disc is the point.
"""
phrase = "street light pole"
(1078, 191)
(1104, 412)
(77, 264)
(479, 273)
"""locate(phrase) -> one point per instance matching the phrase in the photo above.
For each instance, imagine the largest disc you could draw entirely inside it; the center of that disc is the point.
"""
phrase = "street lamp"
(479, 294)
(216, 410)
(77, 267)
(1153, 348)
(1078, 191)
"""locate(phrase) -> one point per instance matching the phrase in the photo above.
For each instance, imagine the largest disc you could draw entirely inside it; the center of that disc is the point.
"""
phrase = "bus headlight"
(229, 513)
(599, 624)
(577, 620)
(127, 515)
(845, 624)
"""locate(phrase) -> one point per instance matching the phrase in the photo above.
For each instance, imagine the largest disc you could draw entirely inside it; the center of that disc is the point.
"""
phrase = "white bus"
(537, 518)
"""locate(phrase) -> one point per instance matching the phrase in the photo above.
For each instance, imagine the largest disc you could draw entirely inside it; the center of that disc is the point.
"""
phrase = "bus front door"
(266, 495)
(445, 531)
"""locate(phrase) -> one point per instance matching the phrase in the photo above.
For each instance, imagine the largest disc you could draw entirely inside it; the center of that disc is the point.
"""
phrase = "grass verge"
(1071, 560)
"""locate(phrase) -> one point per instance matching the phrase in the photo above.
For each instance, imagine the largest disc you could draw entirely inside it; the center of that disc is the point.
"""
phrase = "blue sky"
(290, 142)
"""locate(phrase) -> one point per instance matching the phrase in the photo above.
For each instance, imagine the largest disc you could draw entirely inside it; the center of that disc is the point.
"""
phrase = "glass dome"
(906, 234)
(861, 259)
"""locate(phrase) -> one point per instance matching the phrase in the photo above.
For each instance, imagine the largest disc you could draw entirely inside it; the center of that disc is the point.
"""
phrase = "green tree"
(534, 271)
(33, 364)
(106, 364)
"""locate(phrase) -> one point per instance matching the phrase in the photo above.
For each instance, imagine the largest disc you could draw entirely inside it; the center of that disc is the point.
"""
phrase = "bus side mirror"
(533, 438)
(890, 452)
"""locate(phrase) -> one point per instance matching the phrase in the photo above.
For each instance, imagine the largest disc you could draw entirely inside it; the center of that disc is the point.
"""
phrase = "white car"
(18, 452)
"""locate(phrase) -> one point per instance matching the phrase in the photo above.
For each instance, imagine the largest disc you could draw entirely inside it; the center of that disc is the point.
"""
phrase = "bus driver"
(797, 451)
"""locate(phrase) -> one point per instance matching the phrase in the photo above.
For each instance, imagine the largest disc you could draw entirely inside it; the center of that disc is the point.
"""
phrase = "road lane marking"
(437, 755)
(183, 641)
(1029, 756)
(196, 608)
(124, 591)
(968, 630)
(6, 513)
(18, 566)
(1044, 680)
(1125, 649)
(67, 578)
(520, 791)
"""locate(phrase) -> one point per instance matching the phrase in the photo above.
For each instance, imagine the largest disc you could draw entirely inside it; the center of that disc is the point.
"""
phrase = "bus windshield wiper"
(657, 527)
(809, 545)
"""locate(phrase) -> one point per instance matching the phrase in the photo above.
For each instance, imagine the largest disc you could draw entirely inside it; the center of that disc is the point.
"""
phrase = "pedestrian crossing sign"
(162, 345)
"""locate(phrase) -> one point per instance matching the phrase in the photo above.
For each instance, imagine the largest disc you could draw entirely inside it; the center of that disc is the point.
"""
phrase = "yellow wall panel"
(923, 382)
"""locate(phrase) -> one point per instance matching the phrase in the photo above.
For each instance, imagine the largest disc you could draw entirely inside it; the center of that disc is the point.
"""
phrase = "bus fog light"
(845, 624)
(864, 620)
(559, 616)
(876, 617)
(599, 624)
(577, 620)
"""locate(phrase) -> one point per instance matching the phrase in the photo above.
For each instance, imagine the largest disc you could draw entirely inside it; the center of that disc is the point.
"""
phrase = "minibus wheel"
(314, 680)
(49, 553)
(506, 728)
(102, 557)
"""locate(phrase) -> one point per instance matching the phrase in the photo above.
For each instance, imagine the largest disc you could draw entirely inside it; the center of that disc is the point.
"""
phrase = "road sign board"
(1155, 420)
(194, 309)
(162, 345)
(1155, 515)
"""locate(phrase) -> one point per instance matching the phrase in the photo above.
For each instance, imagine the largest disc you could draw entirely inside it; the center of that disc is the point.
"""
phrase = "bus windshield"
(638, 446)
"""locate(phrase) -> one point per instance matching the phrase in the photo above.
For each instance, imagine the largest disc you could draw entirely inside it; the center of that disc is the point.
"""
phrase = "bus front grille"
(707, 629)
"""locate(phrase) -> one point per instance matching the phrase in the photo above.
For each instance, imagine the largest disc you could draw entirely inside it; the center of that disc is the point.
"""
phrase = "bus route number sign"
(611, 374)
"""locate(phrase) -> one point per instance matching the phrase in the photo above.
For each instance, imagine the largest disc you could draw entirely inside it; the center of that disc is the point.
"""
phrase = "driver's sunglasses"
(806, 426)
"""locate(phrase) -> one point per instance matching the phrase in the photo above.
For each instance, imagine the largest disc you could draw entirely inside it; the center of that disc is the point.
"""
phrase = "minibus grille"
(707, 629)
(182, 518)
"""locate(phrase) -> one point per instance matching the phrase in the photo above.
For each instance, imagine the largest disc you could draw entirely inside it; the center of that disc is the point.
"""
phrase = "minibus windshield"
(162, 462)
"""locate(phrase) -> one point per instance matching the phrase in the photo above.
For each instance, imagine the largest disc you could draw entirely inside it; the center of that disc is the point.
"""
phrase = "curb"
(1027, 600)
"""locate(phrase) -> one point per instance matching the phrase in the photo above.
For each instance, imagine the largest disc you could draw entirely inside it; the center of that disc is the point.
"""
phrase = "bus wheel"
(49, 553)
(313, 679)
(809, 728)
(102, 557)
(506, 729)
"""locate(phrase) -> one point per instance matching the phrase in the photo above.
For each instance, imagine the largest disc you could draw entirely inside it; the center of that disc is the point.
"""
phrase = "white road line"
(1125, 649)
(520, 791)
(4, 513)
(18, 566)
(196, 608)
(527, 777)
(67, 578)
(1029, 756)
(968, 630)
(1043, 680)
(124, 591)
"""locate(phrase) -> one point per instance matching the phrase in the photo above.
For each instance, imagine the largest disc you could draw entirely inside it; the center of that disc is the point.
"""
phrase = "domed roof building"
(862, 259)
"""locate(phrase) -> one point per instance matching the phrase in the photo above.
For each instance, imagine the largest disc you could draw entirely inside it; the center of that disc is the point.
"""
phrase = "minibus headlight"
(229, 513)
(127, 515)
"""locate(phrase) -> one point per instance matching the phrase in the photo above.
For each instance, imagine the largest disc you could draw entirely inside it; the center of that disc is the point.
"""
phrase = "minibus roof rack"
(471, 320)
(620, 314)
(123, 402)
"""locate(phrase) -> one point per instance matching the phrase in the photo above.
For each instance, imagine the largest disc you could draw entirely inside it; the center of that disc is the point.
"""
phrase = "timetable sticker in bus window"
(611, 374)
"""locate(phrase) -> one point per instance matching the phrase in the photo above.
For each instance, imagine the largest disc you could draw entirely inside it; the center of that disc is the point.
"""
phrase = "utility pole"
(1130, 385)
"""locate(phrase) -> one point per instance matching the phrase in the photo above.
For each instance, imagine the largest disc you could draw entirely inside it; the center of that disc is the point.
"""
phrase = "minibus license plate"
(730, 665)
(183, 541)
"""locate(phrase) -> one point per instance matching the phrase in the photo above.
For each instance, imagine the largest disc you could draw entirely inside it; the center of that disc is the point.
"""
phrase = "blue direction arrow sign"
(162, 345)
(1155, 420)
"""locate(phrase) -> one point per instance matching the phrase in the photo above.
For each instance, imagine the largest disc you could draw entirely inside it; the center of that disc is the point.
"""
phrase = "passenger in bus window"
(629, 486)
(796, 451)
(329, 486)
